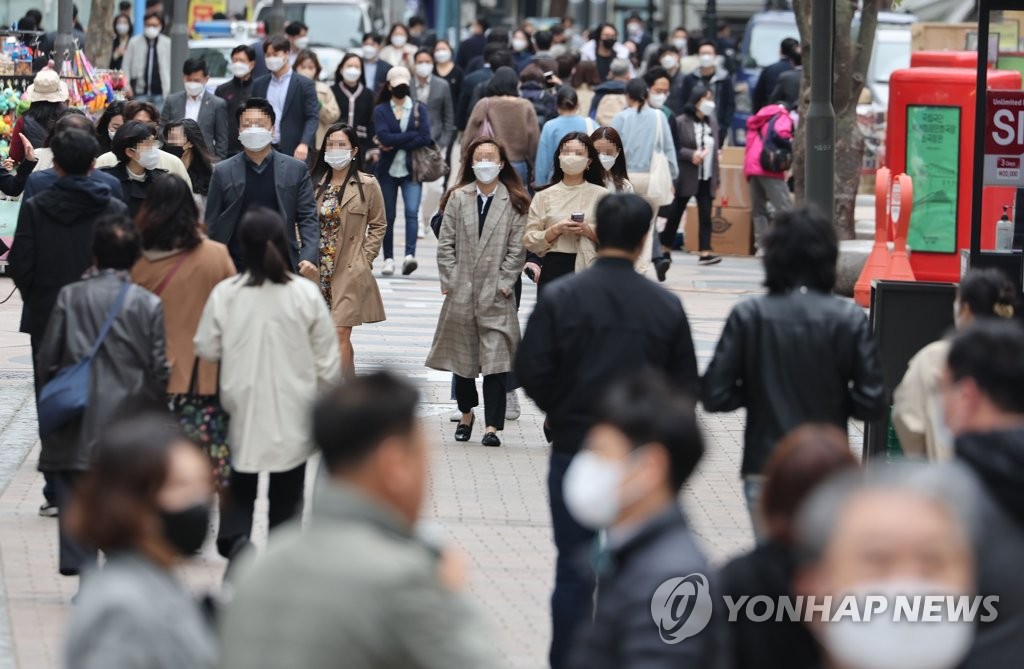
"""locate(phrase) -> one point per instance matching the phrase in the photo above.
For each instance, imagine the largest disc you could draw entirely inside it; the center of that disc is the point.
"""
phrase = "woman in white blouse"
(273, 336)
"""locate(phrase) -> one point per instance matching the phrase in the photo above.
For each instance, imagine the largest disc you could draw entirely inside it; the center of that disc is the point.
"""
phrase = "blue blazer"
(389, 133)
(300, 116)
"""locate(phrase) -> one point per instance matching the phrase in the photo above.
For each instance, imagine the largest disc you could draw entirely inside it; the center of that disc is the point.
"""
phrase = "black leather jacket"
(794, 358)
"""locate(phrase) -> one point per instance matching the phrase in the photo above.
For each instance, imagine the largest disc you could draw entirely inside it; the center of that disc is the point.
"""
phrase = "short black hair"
(647, 409)
(35, 15)
(423, 51)
(623, 219)
(249, 52)
(417, 21)
(193, 65)
(543, 39)
(74, 150)
(295, 28)
(155, 15)
(372, 36)
(655, 73)
(990, 351)
(350, 422)
(709, 43)
(800, 249)
(124, 5)
(72, 117)
(128, 136)
(262, 104)
(116, 243)
(277, 43)
(789, 47)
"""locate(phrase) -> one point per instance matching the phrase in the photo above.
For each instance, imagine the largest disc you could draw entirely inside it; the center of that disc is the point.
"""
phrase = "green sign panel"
(933, 160)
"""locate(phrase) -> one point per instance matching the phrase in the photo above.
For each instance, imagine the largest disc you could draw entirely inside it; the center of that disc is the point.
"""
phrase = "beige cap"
(47, 87)
(398, 75)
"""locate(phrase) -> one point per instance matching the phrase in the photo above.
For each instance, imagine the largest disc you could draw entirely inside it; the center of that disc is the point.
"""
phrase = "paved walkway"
(490, 502)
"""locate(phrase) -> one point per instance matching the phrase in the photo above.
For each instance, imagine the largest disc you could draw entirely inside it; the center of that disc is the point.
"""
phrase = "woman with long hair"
(554, 130)
(308, 65)
(184, 139)
(355, 104)
(480, 256)
(613, 159)
(399, 50)
(145, 502)
(137, 150)
(508, 119)
(122, 34)
(522, 49)
(182, 266)
(560, 225)
(272, 335)
(352, 228)
(403, 125)
(445, 67)
(108, 125)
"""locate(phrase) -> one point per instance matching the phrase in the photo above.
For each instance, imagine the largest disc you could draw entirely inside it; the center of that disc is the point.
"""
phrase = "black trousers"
(494, 397)
(286, 489)
(674, 215)
(556, 265)
(48, 485)
(74, 557)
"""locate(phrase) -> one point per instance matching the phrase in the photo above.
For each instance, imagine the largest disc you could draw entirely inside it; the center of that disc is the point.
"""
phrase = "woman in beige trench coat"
(480, 255)
(352, 227)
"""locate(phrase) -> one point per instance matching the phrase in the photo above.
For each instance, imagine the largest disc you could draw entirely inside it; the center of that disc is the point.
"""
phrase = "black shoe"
(465, 430)
(661, 266)
(709, 259)
(491, 439)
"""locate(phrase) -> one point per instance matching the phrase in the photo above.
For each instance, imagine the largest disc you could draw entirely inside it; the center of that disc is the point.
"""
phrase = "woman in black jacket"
(138, 154)
(355, 101)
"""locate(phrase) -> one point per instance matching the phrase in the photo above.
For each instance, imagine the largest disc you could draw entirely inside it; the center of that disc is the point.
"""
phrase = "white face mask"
(307, 72)
(121, 28)
(882, 643)
(706, 60)
(351, 74)
(680, 43)
(194, 88)
(148, 158)
(635, 29)
(399, 40)
(151, 32)
(240, 70)
(369, 52)
(255, 139)
(301, 42)
(519, 44)
(591, 489)
(423, 70)
(442, 56)
(656, 100)
(572, 164)
(669, 62)
(608, 161)
(339, 158)
(707, 107)
(486, 171)
(275, 63)
(111, 133)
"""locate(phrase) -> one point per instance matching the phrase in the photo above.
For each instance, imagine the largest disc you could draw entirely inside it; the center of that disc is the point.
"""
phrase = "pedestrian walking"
(120, 327)
(766, 187)
(351, 208)
(480, 257)
(43, 177)
(147, 62)
(508, 119)
(446, 68)
(184, 139)
(584, 80)
(360, 540)
(237, 90)
(603, 48)
(145, 502)
(48, 96)
(587, 332)
(434, 92)
(916, 413)
(355, 105)
(398, 52)
(181, 266)
(568, 120)
(137, 147)
(272, 334)
(293, 98)
(108, 124)
(560, 225)
(402, 125)
(713, 75)
(147, 113)
(796, 355)
(375, 69)
(613, 159)
(308, 65)
(263, 177)
(198, 104)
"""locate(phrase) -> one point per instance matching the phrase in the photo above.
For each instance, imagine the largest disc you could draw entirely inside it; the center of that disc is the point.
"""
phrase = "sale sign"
(1004, 138)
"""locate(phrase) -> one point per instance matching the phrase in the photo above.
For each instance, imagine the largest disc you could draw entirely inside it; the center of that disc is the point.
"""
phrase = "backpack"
(776, 151)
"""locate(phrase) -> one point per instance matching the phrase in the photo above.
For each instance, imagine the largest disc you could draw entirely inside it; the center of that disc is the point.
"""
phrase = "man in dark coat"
(472, 46)
(586, 332)
(769, 79)
(293, 98)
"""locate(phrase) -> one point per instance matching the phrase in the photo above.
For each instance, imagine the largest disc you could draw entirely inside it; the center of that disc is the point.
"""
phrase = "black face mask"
(400, 91)
(186, 529)
(608, 43)
(174, 150)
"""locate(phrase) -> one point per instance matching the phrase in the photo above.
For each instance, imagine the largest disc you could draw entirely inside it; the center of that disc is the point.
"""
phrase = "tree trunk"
(99, 36)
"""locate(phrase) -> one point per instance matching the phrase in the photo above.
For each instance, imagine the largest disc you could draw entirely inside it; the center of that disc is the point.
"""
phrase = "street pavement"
(489, 502)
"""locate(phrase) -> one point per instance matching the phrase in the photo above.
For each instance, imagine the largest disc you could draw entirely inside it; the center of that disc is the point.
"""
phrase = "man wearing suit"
(200, 105)
(296, 107)
(375, 69)
(263, 177)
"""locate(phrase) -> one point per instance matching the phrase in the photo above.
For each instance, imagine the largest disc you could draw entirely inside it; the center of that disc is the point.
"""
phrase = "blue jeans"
(411, 192)
(572, 600)
(522, 169)
(752, 486)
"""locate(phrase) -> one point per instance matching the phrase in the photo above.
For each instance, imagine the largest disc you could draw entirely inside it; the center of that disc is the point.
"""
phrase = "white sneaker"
(389, 267)
(421, 233)
(409, 265)
(455, 416)
(512, 406)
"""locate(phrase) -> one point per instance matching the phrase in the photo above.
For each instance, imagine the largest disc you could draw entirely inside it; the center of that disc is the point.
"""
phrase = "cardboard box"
(732, 230)
(732, 156)
(733, 188)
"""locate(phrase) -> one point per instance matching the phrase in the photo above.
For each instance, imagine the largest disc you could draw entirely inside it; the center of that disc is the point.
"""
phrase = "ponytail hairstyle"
(265, 247)
(988, 293)
(636, 91)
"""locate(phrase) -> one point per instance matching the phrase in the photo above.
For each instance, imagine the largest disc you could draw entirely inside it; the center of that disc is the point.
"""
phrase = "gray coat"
(134, 615)
(129, 373)
(440, 110)
(478, 329)
(212, 119)
(295, 202)
(353, 589)
(686, 185)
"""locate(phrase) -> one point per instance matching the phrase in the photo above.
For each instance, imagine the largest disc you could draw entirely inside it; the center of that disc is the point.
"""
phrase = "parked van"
(334, 23)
